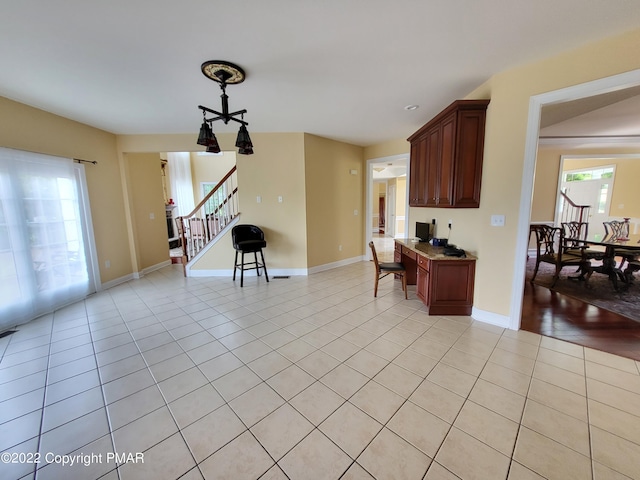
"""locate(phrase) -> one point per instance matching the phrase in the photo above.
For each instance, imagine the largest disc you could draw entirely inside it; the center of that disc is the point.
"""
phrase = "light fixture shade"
(213, 146)
(205, 134)
(243, 141)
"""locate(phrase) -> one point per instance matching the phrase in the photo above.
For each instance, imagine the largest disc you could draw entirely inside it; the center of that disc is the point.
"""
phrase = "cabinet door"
(417, 173)
(447, 161)
(451, 287)
(432, 167)
(422, 280)
(422, 285)
(469, 158)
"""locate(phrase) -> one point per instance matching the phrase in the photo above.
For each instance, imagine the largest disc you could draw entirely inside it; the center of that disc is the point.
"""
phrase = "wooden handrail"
(213, 190)
(199, 227)
(571, 202)
(580, 208)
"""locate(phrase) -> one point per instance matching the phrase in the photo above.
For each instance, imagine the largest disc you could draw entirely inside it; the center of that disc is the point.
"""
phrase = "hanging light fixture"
(225, 73)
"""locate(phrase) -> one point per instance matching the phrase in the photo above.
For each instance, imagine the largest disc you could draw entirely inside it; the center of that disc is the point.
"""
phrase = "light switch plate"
(497, 220)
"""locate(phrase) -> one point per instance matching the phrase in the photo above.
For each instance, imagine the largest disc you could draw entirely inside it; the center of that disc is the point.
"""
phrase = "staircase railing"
(572, 212)
(209, 217)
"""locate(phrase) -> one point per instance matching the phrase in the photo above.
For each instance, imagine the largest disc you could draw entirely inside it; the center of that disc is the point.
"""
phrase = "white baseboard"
(153, 268)
(491, 318)
(340, 263)
(133, 276)
(283, 272)
(117, 281)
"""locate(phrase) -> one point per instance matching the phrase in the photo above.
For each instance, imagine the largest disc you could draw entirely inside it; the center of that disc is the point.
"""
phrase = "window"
(595, 174)
(217, 199)
(43, 235)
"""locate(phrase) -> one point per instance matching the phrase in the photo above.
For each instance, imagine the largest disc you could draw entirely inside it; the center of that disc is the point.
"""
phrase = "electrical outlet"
(339, 248)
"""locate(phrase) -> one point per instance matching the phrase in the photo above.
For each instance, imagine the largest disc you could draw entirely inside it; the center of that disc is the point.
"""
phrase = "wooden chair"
(614, 228)
(577, 232)
(384, 269)
(551, 248)
(618, 229)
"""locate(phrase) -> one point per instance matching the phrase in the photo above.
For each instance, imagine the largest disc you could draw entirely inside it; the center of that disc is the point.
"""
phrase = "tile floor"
(304, 378)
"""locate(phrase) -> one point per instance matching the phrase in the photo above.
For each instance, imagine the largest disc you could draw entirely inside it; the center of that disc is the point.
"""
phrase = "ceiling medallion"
(224, 73)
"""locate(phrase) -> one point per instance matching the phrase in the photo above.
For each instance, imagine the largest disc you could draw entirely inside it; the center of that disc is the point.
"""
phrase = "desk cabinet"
(444, 284)
(446, 157)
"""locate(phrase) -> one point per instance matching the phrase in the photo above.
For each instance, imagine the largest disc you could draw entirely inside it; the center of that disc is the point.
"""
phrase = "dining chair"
(550, 248)
(615, 228)
(575, 234)
(618, 229)
(386, 268)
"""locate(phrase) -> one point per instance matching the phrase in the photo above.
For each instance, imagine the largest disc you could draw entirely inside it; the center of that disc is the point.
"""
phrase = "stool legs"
(235, 266)
(264, 267)
(242, 269)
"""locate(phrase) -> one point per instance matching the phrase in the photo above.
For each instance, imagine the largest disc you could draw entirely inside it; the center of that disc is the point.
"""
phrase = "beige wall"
(209, 168)
(625, 190)
(62, 137)
(507, 118)
(333, 194)
(144, 184)
(275, 169)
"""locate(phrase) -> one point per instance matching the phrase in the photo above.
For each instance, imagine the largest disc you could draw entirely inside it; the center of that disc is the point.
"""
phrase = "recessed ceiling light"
(411, 107)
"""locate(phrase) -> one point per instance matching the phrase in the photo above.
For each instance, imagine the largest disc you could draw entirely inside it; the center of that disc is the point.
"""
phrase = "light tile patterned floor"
(306, 378)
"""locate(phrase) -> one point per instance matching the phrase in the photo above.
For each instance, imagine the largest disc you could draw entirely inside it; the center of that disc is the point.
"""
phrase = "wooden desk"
(444, 284)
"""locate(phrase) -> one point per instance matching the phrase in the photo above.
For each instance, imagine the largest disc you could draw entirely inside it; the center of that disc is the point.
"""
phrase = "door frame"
(368, 192)
(536, 102)
(390, 210)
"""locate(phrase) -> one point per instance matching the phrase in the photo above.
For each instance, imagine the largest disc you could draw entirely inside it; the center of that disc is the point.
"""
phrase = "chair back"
(196, 228)
(614, 228)
(179, 226)
(375, 256)
(244, 233)
(547, 240)
(577, 231)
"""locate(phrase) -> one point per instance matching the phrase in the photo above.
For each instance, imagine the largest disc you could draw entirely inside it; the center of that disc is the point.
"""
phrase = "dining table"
(627, 248)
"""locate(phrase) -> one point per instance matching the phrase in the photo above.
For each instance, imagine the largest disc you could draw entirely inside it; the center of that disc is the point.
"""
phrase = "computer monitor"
(423, 231)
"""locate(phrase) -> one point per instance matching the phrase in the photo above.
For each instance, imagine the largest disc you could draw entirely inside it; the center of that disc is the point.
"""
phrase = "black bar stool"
(248, 239)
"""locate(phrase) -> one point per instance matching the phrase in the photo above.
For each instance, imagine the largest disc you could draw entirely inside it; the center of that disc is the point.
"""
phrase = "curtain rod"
(79, 160)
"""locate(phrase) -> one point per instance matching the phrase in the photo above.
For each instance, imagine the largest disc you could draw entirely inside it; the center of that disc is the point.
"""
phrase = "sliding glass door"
(45, 247)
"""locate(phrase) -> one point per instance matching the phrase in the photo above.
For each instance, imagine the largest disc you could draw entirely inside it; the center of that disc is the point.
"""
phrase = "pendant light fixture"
(224, 73)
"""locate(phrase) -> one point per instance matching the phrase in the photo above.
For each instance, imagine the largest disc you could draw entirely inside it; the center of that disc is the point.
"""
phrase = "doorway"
(393, 171)
(596, 87)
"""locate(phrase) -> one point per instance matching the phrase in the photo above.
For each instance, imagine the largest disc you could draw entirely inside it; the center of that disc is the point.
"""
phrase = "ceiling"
(599, 120)
(339, 69)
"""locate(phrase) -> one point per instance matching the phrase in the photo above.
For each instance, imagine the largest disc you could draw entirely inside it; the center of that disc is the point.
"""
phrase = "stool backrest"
(242, 233)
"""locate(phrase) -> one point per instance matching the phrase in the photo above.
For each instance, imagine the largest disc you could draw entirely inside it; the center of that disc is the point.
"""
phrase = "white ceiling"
(339, 69)
(600, 120)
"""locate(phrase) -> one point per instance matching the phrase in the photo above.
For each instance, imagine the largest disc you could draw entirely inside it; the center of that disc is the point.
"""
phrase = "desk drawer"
(409, 253)
(423, 262)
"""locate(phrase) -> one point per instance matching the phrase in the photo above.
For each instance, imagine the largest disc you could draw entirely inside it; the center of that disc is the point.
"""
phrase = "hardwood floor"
(559, 316)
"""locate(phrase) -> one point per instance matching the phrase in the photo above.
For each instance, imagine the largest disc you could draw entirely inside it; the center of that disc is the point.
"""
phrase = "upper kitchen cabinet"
(446, 157)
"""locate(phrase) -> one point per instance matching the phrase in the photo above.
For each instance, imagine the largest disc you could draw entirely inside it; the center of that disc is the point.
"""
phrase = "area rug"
(601, 293)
